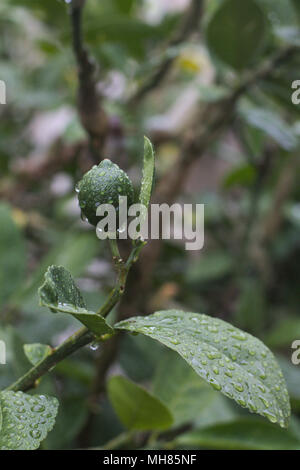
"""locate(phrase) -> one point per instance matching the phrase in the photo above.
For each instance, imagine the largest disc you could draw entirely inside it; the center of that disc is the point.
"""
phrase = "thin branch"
(83, 336)
(285, 186)
(262, 168)
(122, 440)
(188, 26)
(211, 121)
(123, 271)
(92, 115)
(76, 15)
(115, 251)
(110, 349)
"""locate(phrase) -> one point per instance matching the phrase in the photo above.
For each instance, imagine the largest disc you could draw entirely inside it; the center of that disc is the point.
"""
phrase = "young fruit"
(103, 184)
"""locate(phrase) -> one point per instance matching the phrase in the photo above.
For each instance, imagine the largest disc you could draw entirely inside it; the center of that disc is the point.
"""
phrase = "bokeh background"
(210, 83)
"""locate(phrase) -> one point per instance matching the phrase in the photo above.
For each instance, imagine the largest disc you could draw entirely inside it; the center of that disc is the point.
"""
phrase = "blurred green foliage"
(248, 272)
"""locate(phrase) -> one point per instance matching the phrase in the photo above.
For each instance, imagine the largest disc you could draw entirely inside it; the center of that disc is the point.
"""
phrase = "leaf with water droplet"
(60, 294)
(136, 407)
(200, 340)
(26, 419)
(36, 352)
(148, 173)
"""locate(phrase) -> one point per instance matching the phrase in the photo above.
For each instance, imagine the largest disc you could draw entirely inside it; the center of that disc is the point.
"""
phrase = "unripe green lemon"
(103, 184)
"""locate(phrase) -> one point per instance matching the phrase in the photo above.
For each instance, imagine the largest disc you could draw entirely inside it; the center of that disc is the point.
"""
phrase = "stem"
(123, 270)
(118, 442)
(189, 24)
(211, 120)
(76, 18)
(79, 339)
(92, 115)
(262, 168)
(133, 257)
(83, 336)
(114, 250)
(115, 294)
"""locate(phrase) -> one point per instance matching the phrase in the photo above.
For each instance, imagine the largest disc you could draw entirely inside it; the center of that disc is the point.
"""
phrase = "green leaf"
(131, 33)
(281, 12)
(12, 255)
(72, 416)
(16, 362)
(250, 310)
(60, 294)
(137, 408)
(74, 251)
(26, 420)
(139, 357)
(148, 173)
(284, 332)
(292, 377)
(49, 10)
(233, 362)
(271, 124)
(36, 352)
(236, 32)
(189, 398)
(242, 434)
(125, 6)
(209, 267)
(242, 175)
(212, 93)
(296, 6)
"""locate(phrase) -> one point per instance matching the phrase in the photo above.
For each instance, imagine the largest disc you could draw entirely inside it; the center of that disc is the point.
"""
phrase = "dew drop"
(238, 387)
(215, 384)
(94, 346)
(35, 434)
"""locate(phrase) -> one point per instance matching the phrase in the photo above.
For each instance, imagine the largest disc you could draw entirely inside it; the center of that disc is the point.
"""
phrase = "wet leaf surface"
(60, 294)
(26, 419)
(232, 361)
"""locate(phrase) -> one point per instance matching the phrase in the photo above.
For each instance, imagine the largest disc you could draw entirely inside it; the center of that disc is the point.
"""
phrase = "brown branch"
(92, 115)
(81, 338)
(211, 121)
(188, 26)
(285, 186)
(244, 251)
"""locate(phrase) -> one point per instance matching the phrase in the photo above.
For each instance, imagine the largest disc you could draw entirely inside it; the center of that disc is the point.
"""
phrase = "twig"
(123, 270)
(212, 119)
(110, 349)
(285, 185)
(262, 168)
(83, 336)
(115, 251)
(188, 26)
(92, 115)
(118, 442)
